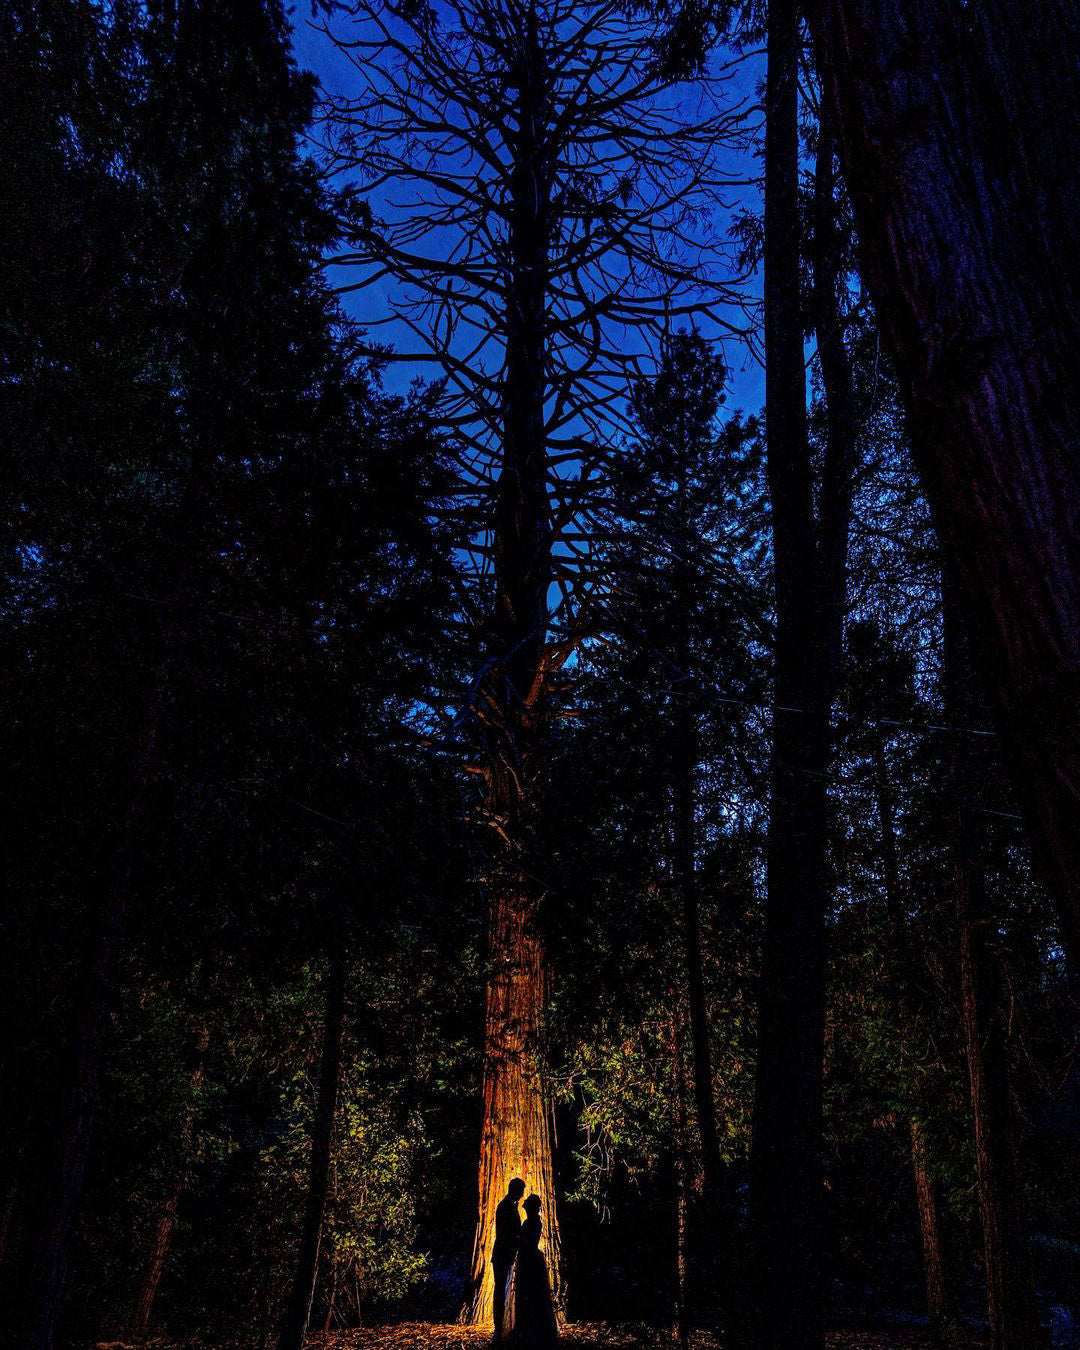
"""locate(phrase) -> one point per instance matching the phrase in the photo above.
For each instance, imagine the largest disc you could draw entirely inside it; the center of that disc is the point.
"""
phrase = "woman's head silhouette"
(532, 1205)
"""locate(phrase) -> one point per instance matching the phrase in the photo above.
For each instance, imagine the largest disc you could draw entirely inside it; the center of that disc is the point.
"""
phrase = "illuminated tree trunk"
(961, 150)
(516, 1137)
(165, 1227)
(517, 1134)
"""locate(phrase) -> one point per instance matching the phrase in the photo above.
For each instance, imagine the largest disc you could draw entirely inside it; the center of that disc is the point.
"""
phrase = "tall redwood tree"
(960, 130)
(544, 225)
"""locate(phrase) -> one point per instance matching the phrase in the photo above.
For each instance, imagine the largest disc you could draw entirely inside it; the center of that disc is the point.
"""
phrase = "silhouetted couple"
(524, 1312)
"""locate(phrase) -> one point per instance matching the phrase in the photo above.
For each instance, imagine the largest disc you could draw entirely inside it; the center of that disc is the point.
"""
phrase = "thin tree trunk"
(719, 1201)
(887, 818)
(516, 1133)
(330, 1303)
(809, 551)
(962, 156)
(298, 1309)
(1010, 1296)
(165, 1227)
(841, 411)
(7, 1218)
(681, 1176)
(11, 1203)
(1010, 1292)
(685, 855)
(927, 1191)
(928, 1198)
(63, 1189)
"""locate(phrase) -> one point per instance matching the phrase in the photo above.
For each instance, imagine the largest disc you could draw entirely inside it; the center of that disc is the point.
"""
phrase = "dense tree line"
(548, 769)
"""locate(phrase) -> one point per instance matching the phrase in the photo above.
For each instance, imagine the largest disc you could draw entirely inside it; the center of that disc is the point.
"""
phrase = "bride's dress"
(530, 1313)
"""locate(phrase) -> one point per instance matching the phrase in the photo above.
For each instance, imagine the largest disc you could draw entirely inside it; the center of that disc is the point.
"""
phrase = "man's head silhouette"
(516, 1189)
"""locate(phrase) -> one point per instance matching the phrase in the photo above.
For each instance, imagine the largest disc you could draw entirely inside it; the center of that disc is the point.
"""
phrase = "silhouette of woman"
(530, 1311)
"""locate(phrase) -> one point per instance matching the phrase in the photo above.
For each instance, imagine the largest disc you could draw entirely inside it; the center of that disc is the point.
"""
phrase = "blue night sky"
(317, 53)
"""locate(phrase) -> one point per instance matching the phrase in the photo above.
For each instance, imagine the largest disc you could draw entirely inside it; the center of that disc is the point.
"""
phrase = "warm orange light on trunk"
(517, 1128)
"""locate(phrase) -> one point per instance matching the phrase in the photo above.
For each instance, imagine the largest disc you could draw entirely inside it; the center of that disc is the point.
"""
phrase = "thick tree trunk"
(961, 151)
(63, 1188)
(785, 1161)
(166, 1225)
(516, 1135)
(298, 1309)
(810, 569)
(928, 1199)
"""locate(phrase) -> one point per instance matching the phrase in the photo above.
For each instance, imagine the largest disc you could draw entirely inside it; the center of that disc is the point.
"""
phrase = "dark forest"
(540, 672)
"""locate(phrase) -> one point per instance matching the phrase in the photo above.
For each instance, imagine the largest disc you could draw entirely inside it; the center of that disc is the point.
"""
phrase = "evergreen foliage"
(246, 599)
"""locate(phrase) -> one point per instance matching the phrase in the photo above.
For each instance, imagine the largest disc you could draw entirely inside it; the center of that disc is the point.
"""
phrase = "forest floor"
(577, 1336)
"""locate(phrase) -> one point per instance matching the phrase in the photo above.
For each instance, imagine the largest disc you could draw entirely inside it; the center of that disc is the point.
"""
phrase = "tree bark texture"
(809, 548)
(961, 150)
(164, 1229)
(516, 1133)
(298, 1310)
(63, 1188)
(928, 1199)
(517, 1137)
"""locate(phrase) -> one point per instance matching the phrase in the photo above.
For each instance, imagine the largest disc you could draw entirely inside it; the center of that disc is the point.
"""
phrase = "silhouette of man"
(507, 1232)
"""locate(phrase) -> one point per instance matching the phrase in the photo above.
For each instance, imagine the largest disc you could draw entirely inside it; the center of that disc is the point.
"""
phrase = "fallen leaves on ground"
(576, 1336)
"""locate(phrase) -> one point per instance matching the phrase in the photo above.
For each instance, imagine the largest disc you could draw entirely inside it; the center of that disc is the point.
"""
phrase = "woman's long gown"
(529, 1308)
